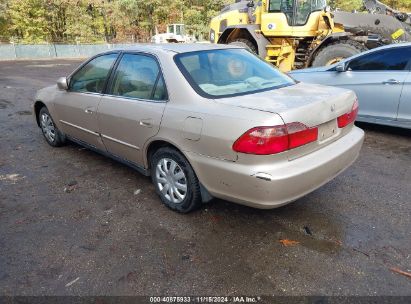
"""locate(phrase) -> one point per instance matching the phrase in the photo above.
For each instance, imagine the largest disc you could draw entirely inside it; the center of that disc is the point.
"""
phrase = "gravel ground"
(100, 238)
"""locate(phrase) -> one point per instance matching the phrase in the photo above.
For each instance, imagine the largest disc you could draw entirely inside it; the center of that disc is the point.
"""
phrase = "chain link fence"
(33, 51)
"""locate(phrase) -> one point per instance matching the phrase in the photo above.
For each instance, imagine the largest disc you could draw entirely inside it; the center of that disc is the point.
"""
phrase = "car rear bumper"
(279, 183)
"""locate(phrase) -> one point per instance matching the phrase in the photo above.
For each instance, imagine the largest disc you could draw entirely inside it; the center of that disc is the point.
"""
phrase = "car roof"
(393, 45)
(384, 47)
(175, 47)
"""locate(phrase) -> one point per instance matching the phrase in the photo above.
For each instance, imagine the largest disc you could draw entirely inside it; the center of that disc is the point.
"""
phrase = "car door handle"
(391, 81)
(146, 123)
(89, 110)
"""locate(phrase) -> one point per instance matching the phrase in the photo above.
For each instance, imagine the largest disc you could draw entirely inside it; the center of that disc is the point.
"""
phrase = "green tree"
(90, 21)
(198, 14)
(349, 5)
(346, 5)
(56, 18)
(28, 20)
(4, 33)
(399, 4)
(144, 15)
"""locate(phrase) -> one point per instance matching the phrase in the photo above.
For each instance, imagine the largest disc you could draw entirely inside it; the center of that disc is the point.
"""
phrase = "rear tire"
(175, 180)
(337, 51)
(51, 133)
(247, 44)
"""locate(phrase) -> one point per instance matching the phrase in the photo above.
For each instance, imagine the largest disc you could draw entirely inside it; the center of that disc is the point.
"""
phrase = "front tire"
(51, 133)
(175, 180)
(245, 44)
(337, 51)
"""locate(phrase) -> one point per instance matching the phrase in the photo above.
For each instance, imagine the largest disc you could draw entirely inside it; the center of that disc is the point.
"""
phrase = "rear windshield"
(229, 72)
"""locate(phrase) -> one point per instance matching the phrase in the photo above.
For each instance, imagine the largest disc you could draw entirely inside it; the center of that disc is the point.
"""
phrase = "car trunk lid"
(313, 105)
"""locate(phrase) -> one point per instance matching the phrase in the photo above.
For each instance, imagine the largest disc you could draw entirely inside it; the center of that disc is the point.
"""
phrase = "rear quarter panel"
(220, 127)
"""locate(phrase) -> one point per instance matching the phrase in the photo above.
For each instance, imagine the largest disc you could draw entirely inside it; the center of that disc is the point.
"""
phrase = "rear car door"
(377, 78)
(131, 111)
(77, 107)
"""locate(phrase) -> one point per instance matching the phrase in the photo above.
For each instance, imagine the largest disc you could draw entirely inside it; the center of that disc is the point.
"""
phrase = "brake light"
(276, 139)
(349, 117)
(299, 134)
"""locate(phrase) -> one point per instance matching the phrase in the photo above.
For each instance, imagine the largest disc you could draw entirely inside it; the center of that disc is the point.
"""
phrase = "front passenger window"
(93, 76)
(138, 76)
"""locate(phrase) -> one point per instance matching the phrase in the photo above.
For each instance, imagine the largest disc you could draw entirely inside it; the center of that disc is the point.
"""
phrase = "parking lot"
(75, 223)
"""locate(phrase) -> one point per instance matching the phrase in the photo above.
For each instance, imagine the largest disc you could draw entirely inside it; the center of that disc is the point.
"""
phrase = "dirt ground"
(101, 238)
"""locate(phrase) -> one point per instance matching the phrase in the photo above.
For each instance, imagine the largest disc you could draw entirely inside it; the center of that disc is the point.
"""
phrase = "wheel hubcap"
(171, 180)
(47, 127)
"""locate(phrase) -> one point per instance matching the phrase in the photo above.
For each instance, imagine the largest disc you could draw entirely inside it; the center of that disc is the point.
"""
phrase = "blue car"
(381, 78)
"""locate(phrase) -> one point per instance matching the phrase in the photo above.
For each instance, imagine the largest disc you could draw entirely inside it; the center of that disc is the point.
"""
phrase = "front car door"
(132, 110)
(77, 107)
(377, 78)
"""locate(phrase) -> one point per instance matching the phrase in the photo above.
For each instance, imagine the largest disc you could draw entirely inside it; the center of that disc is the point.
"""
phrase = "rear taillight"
(299, 134)
(349, 117)
(272, 140)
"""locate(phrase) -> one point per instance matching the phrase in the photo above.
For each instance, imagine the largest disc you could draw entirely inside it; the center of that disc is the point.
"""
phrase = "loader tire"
(247, 44)
(337, 51)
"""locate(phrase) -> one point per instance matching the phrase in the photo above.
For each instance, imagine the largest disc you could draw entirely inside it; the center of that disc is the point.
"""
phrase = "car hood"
(307, 103)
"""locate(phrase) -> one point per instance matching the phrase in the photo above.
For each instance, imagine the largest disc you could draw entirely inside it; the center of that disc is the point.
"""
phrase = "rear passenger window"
(92, 76)
(191, 63)
(138, 76)
(160, 92)
(387, 60)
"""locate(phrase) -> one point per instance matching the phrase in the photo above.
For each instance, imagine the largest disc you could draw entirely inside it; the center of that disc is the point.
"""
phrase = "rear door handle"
(146, 123)
(391, 81)
(89, 110)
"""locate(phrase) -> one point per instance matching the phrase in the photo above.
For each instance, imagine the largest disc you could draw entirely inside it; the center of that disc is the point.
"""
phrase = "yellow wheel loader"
(294, 34)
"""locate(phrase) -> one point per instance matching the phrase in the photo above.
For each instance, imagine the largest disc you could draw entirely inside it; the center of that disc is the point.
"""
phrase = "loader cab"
(176, 29)
(292, 17)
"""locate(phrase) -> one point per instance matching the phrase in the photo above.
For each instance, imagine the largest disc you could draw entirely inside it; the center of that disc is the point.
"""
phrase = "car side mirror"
(340, 67)
(62, 83)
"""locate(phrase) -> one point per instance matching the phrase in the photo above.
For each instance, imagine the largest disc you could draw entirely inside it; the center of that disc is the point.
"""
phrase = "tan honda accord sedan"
(205, 121)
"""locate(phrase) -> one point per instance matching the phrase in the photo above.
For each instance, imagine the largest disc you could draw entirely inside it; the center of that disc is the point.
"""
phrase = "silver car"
(205, 121)
(381, 78)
